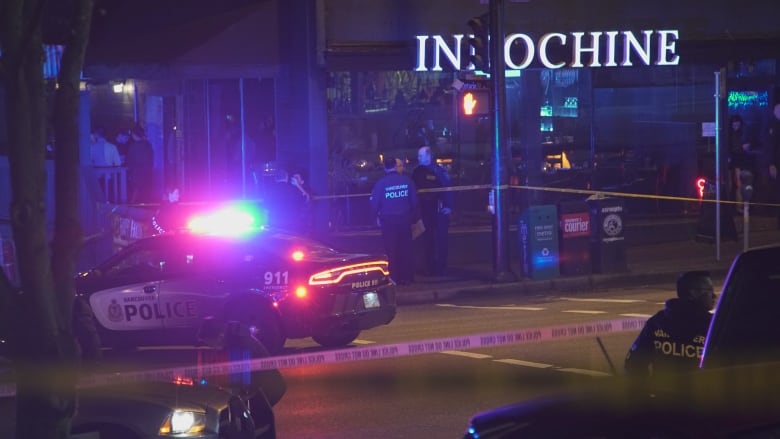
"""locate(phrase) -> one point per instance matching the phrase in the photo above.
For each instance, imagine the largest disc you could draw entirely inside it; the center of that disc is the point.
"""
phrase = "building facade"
(611, 95)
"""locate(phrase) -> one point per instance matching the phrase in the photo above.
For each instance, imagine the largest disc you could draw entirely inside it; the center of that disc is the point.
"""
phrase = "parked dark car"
(733, 393)
(159, 290)
(729, 403)
(188, 393)
(180, 408)
(744, 328)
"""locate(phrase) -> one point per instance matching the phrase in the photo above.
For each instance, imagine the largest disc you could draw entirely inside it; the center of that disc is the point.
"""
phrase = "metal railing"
(112, 183)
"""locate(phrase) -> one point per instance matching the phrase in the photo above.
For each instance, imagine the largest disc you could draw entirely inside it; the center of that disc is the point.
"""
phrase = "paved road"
(433, 395)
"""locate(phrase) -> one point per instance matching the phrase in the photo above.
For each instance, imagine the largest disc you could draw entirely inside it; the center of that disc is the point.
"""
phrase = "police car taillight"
(335, 275)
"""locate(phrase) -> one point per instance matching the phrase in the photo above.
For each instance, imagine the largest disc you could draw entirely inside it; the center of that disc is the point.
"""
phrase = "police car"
(155, 409)
(158, 290)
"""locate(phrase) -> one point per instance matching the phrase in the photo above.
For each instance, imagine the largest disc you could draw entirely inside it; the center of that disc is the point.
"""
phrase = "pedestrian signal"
(475, 102)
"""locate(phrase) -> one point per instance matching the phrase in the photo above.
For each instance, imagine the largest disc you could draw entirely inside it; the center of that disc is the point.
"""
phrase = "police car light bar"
(228, 221)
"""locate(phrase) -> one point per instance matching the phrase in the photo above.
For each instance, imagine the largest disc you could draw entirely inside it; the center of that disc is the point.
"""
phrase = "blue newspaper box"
(538, 233)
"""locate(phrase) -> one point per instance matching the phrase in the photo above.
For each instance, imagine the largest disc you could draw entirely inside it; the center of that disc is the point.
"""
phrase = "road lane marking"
(524, 363)
(637, 315)
(574, 299)
(503, 308)
(583, 311)
(467, 354)
(514, 362)
(359, 341)
(172, 348)
(593, 373)
(362, 353)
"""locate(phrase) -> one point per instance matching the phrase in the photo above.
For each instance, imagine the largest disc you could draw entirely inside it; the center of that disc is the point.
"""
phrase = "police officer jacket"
(394, 198)
(430, 177)
(672, 340)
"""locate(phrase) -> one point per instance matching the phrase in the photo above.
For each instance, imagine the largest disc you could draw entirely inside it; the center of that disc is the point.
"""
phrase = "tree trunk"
(44, 351)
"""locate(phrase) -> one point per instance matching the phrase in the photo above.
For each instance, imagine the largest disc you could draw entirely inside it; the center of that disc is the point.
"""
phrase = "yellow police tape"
(377, 352)
(592, 193)
(589, 192)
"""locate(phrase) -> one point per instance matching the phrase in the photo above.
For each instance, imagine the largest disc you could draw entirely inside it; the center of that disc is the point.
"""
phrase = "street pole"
(501, 267)
(718, 136)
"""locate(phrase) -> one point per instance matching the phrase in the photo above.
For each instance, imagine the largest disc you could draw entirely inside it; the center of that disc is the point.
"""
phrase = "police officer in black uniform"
(394, 199)
(435, 209)
(673, 339)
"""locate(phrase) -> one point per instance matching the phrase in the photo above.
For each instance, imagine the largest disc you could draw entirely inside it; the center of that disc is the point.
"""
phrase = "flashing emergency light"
(297, 255)
(234, 220)
(301, 292)
(183, 381)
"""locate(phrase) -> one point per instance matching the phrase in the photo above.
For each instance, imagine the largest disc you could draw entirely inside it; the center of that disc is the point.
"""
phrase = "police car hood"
(164, 395)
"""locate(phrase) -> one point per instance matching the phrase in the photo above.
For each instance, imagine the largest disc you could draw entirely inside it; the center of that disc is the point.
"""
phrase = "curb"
(574, 284)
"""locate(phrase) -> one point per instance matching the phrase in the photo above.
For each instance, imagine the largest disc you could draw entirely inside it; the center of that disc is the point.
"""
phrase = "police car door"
(189, 290)
(128, 298)
(184, 300)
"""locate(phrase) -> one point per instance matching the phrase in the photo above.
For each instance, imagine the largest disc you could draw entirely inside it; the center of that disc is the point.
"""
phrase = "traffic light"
(475, 102)
(479, 43)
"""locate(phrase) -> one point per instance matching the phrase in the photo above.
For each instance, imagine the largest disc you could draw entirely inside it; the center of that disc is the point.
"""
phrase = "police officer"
(286, 204)
(673, 339)
(435, 209)
(394, 199)
(170, 216)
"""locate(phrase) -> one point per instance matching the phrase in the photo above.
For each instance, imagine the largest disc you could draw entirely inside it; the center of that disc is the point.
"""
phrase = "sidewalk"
(648, 264)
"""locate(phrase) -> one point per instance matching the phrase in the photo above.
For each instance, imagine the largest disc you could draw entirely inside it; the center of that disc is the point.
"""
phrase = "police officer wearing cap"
(394, 199)
(673, 339)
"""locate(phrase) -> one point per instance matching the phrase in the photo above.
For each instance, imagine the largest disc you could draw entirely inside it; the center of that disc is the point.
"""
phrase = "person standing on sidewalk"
(394, 200)
(741, 159)
(435, 210)
(673, 339)
(140, 166)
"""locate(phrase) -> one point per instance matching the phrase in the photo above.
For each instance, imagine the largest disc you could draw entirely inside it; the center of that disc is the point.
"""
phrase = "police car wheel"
(337, 338)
